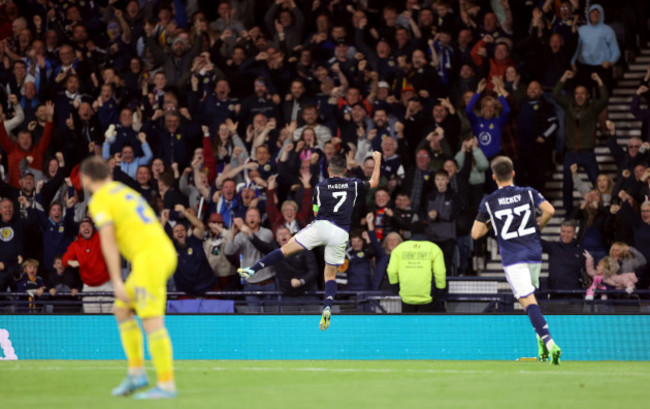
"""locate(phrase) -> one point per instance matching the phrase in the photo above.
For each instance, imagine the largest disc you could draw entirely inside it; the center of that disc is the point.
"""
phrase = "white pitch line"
(557, 372)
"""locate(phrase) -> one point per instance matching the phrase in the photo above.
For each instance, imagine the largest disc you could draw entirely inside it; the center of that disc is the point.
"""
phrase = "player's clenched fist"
(376, 156)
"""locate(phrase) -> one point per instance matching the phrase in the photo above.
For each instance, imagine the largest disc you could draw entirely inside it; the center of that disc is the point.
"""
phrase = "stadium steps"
(626, 126)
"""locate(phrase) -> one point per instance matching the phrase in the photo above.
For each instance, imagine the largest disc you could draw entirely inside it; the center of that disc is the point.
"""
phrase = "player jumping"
(129, 226)
(334, 200)
(511, 211)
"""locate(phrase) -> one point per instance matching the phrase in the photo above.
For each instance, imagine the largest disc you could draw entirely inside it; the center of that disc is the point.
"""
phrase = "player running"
(511, 211)
(129, 226)
(334, 200)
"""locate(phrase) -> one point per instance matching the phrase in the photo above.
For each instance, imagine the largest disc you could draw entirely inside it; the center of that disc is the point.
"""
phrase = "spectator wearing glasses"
(626, 159)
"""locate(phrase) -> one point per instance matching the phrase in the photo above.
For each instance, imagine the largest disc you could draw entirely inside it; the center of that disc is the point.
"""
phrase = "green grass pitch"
(336, 384)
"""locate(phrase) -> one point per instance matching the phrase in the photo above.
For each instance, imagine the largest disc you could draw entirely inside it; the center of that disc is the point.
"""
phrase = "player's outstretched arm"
(479, 229)
(112, 257)
(547, 212)
(376, 172)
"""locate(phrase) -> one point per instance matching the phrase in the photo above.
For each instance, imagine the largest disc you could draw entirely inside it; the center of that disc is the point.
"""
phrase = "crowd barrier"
(388, 336)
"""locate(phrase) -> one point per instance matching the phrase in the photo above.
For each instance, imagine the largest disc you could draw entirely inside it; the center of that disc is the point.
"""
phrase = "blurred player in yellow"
(129, 226)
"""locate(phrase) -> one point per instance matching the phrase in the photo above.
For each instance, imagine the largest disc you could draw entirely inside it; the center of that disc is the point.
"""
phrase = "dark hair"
(441, 172)
(382, 189)
(358, 233)
(166, 178)
(309, 105)
(228, 180)
(338, 164)
(502, 168)
(95, 168)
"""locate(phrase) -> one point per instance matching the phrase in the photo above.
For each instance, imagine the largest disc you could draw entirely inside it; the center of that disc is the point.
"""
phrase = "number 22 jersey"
(335, 198)
(511, 209)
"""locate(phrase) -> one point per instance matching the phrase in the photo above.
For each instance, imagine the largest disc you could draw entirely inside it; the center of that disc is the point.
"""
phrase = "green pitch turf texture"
(336, 385)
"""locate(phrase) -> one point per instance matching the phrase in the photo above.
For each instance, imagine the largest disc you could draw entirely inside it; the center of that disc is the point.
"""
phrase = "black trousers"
(411, 308)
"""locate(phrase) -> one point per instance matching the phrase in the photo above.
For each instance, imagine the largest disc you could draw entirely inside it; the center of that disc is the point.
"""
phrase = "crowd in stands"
(223, 116)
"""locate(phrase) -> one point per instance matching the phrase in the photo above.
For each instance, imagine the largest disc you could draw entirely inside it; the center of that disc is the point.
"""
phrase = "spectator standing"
(214, 247)
(63, 280)
(596, 53)
(85, 253)
(193, 273)
(536, 127)
(12, 249)
(31, 283)
(489, 124)
(58, 230)
(24, 148)
(565, 261)
(580, 134)
(244, 231)
(298, 272)
(443, 206)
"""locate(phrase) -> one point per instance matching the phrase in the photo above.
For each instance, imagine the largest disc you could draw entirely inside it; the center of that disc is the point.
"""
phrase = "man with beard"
(142, 183)
(310, 116)
(294, 103)
(193, 273)
(261, 102)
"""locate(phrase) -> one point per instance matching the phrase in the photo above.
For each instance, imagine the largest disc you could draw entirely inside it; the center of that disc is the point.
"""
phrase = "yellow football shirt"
(137, 228)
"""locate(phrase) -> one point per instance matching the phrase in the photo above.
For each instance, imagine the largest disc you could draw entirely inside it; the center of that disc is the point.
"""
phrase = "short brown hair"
(95, 168)
(502, 168)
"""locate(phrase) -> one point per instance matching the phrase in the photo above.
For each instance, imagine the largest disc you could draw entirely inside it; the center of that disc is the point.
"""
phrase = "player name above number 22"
(510, 200)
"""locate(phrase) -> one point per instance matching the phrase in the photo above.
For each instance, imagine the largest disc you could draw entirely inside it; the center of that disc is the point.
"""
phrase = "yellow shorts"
(147, 283)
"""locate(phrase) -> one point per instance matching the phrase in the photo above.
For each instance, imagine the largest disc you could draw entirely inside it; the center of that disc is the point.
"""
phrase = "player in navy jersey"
(334, 200)
(511, 212)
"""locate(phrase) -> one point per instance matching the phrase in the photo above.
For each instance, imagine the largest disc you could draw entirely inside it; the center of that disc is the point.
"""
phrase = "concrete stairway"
(626, 126)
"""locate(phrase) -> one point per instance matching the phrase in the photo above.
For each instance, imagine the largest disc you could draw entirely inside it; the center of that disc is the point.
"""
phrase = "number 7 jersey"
(511, 209)
(136, 226)
(335, 198)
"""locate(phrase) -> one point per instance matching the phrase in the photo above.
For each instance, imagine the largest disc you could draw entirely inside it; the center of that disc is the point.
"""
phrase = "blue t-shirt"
(335, 198)
(511, 209)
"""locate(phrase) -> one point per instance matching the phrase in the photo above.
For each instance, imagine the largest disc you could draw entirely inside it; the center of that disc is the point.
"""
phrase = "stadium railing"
(464, 296)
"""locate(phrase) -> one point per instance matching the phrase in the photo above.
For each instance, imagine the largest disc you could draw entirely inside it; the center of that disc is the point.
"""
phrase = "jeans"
(253, 301)
(588, 161)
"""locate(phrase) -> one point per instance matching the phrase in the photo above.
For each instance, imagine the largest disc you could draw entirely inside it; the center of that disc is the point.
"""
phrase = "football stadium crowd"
(224, 114)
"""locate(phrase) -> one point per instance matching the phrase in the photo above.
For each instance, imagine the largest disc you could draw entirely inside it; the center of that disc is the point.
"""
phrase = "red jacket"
(15, 154)
(92, 267)
(497, 68)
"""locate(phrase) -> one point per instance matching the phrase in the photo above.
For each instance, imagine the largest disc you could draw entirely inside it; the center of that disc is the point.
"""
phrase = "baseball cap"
(215, 218)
